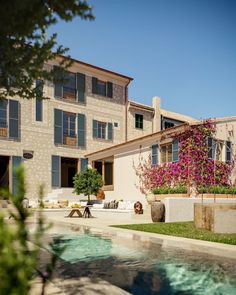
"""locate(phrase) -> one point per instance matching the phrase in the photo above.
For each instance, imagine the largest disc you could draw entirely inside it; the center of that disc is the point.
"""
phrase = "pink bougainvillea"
(194, 166)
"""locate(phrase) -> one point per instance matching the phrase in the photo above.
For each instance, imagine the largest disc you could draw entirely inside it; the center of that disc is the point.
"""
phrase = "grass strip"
(182, 229)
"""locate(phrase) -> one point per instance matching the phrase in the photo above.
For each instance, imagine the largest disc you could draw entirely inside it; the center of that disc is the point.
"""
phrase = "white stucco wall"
(125, 178)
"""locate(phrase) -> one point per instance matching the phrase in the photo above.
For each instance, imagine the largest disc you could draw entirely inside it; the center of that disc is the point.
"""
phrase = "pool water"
(143, 267)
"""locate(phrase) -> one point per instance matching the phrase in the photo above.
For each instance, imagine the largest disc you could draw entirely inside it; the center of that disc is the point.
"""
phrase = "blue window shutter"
(110, 131)
(57, 126)
(16, 161)
(39, 101)
(228, 156)
(81, 87)
(56, 171)
(3, 113)
(154, 154)
(94, 85)
(109, 89)
(14, 119)
(95, 129)
(83, 164)
(81, 129)
(175, 150)
(211, 144)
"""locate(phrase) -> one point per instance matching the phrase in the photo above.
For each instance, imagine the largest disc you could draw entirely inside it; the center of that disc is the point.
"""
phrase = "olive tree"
(87, 182)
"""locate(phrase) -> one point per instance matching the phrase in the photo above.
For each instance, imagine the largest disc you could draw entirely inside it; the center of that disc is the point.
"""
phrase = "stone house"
(89, 112)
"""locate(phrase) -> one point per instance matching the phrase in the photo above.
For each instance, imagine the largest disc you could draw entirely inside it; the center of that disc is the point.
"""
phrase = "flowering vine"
(193, 168)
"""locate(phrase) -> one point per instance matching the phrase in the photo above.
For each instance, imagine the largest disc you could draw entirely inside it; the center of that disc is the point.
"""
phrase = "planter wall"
(216, 217)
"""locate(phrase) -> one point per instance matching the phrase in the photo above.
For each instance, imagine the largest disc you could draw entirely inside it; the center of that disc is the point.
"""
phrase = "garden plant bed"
(182, 229)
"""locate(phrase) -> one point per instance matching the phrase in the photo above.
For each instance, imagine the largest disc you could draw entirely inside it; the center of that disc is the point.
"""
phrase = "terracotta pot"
(158, 211)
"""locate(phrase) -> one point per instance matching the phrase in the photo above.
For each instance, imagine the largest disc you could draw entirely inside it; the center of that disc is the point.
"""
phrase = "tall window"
(228, 155)
(166, 153)
(3, 115)
(101, 87)
(69, 124)
(102, 127)
(105, 168)
(138, 121)
(38, 101)
(69, 87)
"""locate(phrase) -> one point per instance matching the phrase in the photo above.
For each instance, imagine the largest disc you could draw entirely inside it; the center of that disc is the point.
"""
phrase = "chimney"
(156, 104)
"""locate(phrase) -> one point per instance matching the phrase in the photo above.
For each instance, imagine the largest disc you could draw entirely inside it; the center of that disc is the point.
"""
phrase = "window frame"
(168, 153)
(139, 121)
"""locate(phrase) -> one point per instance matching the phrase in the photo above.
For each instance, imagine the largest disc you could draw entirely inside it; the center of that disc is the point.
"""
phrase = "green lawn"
(182, 229)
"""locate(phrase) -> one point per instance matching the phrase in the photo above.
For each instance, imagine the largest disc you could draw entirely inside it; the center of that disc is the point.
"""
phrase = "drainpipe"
(126, 111)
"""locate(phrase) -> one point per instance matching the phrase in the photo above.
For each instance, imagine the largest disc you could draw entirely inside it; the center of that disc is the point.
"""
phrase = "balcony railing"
(69, 140)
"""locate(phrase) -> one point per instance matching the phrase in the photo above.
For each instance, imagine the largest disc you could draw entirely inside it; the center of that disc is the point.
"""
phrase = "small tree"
(87, 182)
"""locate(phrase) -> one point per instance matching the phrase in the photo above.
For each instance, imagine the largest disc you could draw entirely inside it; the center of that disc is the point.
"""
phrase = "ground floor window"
(105, 168)
(166, 153)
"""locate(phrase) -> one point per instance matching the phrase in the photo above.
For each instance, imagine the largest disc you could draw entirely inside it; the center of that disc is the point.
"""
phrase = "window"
(102, 88)
(39, 101)
(69, 87)
(69, 133)
(215, 148)
(116, 125)
(9, 118)
(72, 88)
(228, 151)
(166, 153)
(105, 168)
(102, 130)
(3, 118)
(168, 125)
(138, 121)
(69, 128)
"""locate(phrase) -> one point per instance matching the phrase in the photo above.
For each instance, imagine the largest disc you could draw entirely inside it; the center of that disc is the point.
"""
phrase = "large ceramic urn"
(158, 211)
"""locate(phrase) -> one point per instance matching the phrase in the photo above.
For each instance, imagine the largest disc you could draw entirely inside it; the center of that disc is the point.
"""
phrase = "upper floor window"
(102, 130)
(102, 88)
(69, 128)
(102, 127)
(168, 125)
(69, 87)
(69, 120)
(39, 101)
(138, 121)
(72, 88)
(9, 118)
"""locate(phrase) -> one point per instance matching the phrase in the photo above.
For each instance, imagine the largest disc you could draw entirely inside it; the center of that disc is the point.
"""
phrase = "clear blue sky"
(181, 50)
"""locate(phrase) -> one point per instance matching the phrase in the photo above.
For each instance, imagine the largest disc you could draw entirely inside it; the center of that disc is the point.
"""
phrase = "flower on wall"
(193, 165)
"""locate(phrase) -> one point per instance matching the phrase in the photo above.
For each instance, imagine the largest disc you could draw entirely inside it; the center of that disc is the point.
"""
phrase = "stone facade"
(38, 136)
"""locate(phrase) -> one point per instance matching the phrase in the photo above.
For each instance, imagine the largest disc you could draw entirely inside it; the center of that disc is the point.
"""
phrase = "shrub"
(170, 190)
(217, 189)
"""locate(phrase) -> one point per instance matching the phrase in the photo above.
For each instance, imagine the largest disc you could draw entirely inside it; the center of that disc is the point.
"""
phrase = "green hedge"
(170, 190)
(217, 189)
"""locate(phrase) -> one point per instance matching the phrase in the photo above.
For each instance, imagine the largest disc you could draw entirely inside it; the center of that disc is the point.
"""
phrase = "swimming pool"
(142, 267)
